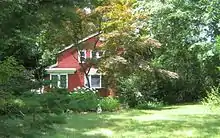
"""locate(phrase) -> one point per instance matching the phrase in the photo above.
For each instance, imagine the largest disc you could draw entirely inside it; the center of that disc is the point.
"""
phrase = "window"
(59, 80)
(63, 81)
(100, 54)
(82, 56)
(95, 81)
(54, 81)
(96, 54)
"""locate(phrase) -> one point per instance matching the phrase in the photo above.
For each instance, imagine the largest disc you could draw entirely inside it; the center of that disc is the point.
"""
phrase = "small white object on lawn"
(99, 109)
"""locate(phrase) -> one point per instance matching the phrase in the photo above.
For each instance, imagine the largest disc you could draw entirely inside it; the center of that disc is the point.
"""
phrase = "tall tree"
(187, 32)
(127, 44)
(33, 31)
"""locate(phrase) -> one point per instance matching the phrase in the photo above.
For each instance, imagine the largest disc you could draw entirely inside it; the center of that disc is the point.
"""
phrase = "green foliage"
(182, 121)
(33, 31)
(11, 106)
(35, 103)
(31, 114)
(38, 29)
(10, 68)
(186, 30)
(129, 92)
(109, 104)
(150, 105)
(15, 78)
(143, 86)
(27, 127)
(54, 102)
(83, 99)
(129, 45)
(80, 100)
(212, 100)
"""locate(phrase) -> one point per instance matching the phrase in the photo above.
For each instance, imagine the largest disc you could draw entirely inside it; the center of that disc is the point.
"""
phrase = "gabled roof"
(82, 40)
(52, 66)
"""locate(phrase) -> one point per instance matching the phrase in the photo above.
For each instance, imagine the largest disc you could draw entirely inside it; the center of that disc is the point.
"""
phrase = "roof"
(82, 40)
(61, 70)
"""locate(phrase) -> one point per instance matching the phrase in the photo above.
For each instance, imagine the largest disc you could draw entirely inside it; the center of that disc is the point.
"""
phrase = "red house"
(67, 72)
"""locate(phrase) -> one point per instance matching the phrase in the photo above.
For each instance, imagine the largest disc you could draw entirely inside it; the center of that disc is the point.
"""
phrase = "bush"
(212, 99)
(83, 99)
(150, 105)
(59, 91)
(11, 106)
(109, 104)
(31, 114)
(14, 78)
(137, 88)
(153, 86)
(54, 102)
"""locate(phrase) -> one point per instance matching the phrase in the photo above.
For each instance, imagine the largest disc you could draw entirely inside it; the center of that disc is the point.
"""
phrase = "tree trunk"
(87, 79)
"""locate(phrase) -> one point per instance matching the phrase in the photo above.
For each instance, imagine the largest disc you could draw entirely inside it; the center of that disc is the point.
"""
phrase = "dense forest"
(172, 54)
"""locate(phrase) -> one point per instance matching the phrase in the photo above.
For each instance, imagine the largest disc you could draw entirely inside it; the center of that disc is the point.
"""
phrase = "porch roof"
(61, 70)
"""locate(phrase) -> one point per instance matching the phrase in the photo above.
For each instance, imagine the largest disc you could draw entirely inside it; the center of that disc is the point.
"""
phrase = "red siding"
(92, 40)
(75, 80)
(68, 59)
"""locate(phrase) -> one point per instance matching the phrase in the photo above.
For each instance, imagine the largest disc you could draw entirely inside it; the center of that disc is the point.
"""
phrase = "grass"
(183, 121)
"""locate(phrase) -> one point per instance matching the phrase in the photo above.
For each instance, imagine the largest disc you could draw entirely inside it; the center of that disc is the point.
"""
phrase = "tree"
(39, 28)
(187, 32)
(127, 43)
(87, 64)
(31, 31)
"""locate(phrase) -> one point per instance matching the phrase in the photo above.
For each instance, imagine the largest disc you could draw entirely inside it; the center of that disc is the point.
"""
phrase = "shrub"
(14, 78)
(31, 114)
(212, 99)
(54, 102)
(137, 88)
(150, 105)
(59, 91)
(153, 86)
(11, 106)
(83, 99)
(109, 104)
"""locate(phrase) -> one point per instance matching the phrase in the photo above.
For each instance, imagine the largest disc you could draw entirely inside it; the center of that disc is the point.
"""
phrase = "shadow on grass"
(159, 108)
(184, 126)
(121, 124)
(78, 126)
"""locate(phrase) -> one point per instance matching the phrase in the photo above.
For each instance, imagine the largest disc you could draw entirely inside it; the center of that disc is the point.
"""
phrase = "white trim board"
(58, 82)
(85, 81)
(61, 70)
(79, 55)
(82, 40)
(52, 66)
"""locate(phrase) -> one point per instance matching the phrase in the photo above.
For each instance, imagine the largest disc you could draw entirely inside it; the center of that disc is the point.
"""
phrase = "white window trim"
(97, 54)
(89, 75)
(58, 82)
(79, 55)
(90, 53)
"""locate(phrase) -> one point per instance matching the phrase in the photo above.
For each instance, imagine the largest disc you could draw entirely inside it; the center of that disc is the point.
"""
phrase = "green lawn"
(170, 122)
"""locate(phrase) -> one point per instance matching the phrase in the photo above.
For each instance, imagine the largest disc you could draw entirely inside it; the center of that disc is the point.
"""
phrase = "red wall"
(66, 60)
(75, 80)
(69, 59)
(93, 40)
